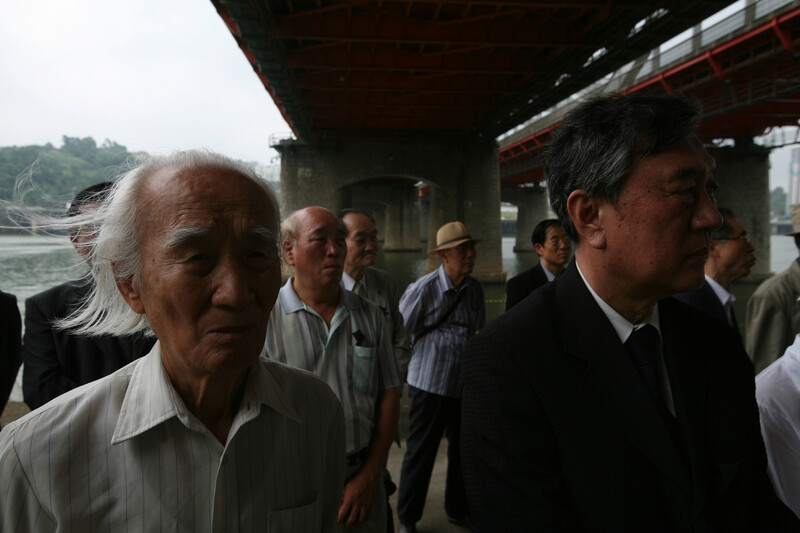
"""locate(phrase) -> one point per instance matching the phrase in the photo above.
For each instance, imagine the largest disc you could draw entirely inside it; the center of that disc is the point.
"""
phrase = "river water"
(30, 264)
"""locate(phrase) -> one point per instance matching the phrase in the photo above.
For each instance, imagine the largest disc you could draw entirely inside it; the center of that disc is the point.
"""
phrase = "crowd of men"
(180, 386)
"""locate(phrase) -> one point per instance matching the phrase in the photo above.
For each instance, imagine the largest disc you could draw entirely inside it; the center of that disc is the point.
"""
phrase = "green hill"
(47, 176)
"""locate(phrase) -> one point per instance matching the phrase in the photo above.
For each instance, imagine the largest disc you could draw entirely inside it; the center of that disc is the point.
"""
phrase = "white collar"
(723, 294)
(621, 325)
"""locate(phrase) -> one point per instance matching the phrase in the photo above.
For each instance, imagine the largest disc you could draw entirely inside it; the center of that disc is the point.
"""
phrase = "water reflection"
(31, 264)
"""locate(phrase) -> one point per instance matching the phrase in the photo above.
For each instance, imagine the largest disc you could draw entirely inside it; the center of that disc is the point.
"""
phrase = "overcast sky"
(153, 75)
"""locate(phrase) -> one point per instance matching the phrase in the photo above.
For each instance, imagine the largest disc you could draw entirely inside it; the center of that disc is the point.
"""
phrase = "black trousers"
(431, 416)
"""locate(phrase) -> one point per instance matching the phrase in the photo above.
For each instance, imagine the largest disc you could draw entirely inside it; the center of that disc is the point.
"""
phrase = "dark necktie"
(642, 345)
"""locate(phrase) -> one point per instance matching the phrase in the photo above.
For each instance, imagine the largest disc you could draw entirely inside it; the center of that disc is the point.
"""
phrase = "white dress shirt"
(778, 396)
(124, 454)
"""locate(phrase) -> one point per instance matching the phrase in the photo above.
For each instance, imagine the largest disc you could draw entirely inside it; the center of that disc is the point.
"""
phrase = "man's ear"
(538, 248)
(288, 252)
(129, 291)
(442, 256)
(585, 211)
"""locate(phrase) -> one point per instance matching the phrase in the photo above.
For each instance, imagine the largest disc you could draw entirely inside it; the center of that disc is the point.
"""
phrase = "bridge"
(384, 95)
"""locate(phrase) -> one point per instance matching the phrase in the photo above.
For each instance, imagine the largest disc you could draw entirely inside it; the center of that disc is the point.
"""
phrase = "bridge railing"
(657, 61)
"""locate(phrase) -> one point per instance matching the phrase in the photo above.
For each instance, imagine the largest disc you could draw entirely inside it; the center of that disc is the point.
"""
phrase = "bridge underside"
(419, 90)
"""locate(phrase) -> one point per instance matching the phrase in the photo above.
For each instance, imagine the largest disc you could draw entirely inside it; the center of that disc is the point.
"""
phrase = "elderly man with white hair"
(201, 434)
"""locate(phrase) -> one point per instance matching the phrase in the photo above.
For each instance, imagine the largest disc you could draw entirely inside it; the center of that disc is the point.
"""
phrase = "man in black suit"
(57, 360)
(10, 358)
(553, 246)
(600, 404)
(730, 257)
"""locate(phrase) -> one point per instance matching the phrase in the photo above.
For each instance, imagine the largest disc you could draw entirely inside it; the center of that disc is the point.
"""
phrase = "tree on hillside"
(53, 176)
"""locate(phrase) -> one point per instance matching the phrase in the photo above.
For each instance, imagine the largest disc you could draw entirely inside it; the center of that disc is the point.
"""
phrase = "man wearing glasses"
(554, 249)
(730, 257)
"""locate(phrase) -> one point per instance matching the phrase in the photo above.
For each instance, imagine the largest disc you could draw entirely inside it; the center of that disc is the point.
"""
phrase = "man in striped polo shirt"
(442, 311)
(344, 339)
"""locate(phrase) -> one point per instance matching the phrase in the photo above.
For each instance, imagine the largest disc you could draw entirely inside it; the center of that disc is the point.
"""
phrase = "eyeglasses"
(557, 240)
(743, 237)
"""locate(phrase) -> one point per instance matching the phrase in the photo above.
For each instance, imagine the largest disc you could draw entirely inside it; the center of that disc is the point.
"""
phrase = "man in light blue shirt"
(342, 338)
(442, 311)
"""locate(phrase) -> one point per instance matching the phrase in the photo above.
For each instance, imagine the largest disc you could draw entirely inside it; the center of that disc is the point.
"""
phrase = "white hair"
(117, 239)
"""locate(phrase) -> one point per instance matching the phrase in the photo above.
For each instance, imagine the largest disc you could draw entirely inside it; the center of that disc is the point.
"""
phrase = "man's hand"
(357, 497)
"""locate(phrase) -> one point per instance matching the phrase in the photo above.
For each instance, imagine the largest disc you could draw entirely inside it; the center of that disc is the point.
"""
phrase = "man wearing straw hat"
(442, 311)
(773, 312)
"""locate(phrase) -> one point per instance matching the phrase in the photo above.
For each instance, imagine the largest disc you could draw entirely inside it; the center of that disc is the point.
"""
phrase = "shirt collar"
(349, 282)
(150, 399)
(549, 275)
(621, 325)
(445, 283)
(724, 296)
(291, 303)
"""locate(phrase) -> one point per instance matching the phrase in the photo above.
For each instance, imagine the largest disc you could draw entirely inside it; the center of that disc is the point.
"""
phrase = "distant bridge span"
(745, 70)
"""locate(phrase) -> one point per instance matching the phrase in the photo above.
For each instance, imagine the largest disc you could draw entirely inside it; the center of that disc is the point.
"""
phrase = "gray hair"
(599, 142)
(117, 240)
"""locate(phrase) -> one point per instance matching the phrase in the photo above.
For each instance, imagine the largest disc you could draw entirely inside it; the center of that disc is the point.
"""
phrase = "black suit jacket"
(10, 339)
(521, 285)
(706, 300)
(559, 432)
(57, 361)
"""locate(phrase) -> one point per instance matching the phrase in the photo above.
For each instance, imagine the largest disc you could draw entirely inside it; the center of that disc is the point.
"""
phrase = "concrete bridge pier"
(402, 220)
(532, 207)
(464, 176)
(743, 177)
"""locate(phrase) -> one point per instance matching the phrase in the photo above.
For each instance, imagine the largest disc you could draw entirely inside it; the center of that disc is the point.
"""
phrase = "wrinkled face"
(319, 253)
(556, 248)
(459, 260)
(210, 269)
(657, 236)
(362, 242)
(735, 252)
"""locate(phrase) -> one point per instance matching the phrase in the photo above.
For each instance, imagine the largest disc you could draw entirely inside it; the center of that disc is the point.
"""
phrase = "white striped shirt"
(354, 356)
(124, 454)
(436, 357)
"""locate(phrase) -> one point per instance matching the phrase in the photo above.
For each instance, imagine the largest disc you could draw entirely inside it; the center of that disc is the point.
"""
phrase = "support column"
(743, 177)
(442, 211)
(532, 208)
(303, 180)
(464, 176)
(402, 220)
(481, 208)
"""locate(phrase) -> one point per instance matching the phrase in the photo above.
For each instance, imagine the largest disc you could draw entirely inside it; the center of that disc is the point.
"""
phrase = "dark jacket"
(559, 432)
(57, 361)
(521, 285)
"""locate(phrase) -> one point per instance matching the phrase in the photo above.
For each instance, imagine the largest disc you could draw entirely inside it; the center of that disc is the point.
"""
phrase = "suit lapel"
(610, 379)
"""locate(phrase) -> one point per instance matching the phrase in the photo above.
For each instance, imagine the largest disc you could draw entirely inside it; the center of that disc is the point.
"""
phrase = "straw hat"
(795, 221)
(451, 235)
